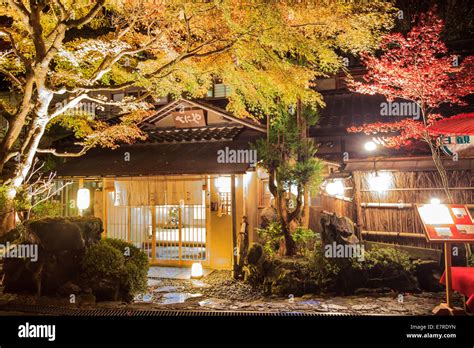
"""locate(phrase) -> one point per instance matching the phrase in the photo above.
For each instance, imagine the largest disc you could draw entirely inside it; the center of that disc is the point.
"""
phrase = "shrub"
(136, 265)
(385, 260)
(119, 262)
(303, 238)
(47, 209)
(272, 235)
(102, 261)
(381, 267)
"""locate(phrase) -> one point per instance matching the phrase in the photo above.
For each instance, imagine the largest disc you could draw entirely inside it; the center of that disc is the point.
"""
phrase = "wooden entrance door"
(173, 231)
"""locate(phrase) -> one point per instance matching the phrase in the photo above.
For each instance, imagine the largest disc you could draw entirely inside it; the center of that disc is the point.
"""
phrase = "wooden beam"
(153, 235)
(234, 228)
(356, 204)
(394, 234)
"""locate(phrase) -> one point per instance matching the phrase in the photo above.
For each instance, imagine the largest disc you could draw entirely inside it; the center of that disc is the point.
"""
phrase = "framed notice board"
(446, 222)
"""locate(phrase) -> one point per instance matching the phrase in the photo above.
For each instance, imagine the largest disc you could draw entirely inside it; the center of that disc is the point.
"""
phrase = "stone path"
(219, 292)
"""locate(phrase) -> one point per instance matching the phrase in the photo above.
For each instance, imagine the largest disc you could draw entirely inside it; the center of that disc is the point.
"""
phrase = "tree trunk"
(7, 218)
(290, 245)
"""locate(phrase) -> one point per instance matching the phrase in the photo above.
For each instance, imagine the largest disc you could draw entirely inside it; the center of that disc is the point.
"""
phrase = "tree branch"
(15, 50)
(88, 17)
(20, 7)
(64, 154)
(12, 78)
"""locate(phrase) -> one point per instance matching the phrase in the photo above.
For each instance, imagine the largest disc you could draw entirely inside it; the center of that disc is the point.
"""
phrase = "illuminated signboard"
(446, 222)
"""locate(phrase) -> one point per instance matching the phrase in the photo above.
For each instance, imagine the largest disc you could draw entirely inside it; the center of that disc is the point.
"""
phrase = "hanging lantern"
(83, 198)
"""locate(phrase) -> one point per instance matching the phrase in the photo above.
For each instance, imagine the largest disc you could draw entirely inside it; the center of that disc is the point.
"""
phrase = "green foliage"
(271, 235)
(303, 237)
(120, 261)
(47, 208)
(347, 274)
(383, 259)
(286, 153)
(136, 265)
(102, 261)
(21, 202)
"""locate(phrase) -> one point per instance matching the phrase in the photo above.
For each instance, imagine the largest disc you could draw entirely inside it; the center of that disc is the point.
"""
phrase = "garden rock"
(428, 274)
(61, 244)
(337, 229)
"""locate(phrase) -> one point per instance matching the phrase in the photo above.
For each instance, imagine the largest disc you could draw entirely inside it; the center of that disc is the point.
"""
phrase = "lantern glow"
(83, 198)
(370, 146)
(196, 270)
(223, 184)
(335, 188)
(380, 182)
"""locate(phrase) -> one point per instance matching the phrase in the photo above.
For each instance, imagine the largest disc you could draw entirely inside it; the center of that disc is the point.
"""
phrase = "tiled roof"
(194, 134)
(346, 109)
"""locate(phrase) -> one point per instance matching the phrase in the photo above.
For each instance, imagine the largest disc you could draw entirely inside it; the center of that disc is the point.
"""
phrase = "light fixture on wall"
(335, 188)
(435, 200)
(380, 181)
(83, 198)
(196, 270)
(370, 146)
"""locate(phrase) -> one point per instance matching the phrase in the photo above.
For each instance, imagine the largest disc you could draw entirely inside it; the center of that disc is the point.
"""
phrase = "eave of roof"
(155, 159)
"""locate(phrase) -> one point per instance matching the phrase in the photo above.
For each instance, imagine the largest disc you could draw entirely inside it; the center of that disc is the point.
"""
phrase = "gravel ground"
(219, 292)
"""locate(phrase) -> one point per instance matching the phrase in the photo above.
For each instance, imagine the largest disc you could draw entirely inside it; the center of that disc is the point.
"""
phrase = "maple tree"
(76, 51)
(416, 68)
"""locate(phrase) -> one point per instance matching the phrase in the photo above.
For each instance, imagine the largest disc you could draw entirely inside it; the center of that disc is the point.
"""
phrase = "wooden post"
(153, 233)
(448, 307)
(447, 267)
(234, 228)
(104, 208)
(129, 223)
(357, 204)
(180, 231)
(208, 218)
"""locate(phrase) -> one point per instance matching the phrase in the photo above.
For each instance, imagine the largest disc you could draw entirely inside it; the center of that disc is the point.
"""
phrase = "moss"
(315, 273)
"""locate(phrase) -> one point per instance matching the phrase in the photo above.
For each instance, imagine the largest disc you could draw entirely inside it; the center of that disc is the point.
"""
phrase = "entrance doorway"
(172, 231)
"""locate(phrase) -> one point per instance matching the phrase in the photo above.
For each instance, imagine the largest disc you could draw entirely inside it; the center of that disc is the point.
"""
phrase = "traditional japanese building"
(377, 187)
(179, 195)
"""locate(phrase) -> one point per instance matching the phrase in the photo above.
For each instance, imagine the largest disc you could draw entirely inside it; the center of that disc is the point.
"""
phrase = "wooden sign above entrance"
(189, 118)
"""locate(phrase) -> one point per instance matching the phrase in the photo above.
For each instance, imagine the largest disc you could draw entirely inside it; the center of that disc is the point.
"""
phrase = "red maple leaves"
(416, 68)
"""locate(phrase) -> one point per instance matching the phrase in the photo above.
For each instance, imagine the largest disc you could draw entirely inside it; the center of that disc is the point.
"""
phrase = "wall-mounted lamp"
(335, 188)
(370, 146)
(380, 181)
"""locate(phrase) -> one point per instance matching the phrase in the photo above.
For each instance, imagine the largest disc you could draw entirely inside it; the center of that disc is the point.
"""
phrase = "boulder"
(61, 245)
(338, 229)
(268, 215)
(428, 273)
